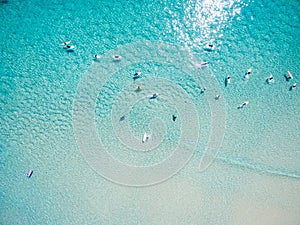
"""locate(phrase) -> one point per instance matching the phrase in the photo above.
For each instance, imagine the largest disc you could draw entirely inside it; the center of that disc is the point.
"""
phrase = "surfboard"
(290, 75)
(209, 47)
(155, 95)
(204, 64)
(139, 88)
(243, 104)
(117, 57)
(69, 47)
(29, 173)
(228, 80)
(136, 75)
(146, 137)
(66, 43)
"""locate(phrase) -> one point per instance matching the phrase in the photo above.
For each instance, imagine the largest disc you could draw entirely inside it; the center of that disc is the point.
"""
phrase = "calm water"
(254, 178)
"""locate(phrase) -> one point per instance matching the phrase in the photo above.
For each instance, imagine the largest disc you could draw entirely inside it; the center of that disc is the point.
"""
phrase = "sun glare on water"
(196, 23)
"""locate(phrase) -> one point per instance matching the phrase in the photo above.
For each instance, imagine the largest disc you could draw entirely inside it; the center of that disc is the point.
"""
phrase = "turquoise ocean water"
(254, 178)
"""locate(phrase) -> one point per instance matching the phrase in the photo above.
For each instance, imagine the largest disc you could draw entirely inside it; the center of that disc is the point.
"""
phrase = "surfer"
(246, 76)
(116, 57)
(202, 91)
(228, 80)
(154, 95)
(29, 173)
(122, 118)
(69, 47)
(174, 117)
(66, 42)
(289, 76)
(243, 104)
(139, 88)
(270, 79)
(203, 64)
(293, 86)
(137, 75)
(209, 47)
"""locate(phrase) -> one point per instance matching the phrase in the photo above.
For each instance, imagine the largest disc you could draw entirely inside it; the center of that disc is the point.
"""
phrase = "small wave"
(260, 168)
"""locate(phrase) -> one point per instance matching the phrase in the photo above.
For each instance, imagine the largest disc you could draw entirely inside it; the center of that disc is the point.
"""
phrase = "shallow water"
(255, 172)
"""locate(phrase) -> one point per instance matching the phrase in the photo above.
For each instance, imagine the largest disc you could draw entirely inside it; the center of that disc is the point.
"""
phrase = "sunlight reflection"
(196, 23)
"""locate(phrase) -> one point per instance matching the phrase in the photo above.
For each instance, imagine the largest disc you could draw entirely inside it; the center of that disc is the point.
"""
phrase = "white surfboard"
(66, 43)
(146, 137)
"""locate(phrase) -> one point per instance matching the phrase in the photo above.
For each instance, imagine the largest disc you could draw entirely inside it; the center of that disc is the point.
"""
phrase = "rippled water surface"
(60, 112)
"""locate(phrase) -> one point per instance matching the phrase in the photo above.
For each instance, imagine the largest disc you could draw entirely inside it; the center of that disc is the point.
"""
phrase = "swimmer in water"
(203, 90)
(218, 97)
(122, 118)
(139, 88)
(174, 117)
(293, 86)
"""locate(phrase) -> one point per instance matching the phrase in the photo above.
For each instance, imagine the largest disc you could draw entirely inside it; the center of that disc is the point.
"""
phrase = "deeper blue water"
(254, 178)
